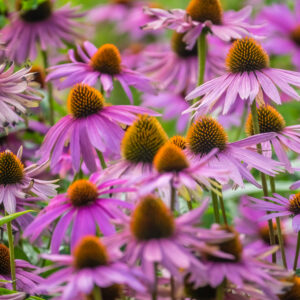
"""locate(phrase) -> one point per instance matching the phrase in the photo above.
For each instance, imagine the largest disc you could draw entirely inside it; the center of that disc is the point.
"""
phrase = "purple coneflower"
(16, 181)
(248, 76)
(42, 26)
(283, 30)
(139, 145)
(202, 15)
(27, 279)
(91, 124)
(152, 236)
(173, 169)
(207, 134)
(90, 267)
(286, 137)
(16, 94)
(280, 207)
(86, 205)
(91, 65)
(258, 232)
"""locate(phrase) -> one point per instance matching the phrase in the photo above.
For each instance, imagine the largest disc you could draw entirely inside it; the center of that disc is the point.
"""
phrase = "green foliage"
(11, 217)
(31, 4)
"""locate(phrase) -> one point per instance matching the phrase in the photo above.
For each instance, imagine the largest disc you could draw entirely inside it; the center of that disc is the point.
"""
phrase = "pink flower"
(42, 26)
(91, 65)
(86, 202)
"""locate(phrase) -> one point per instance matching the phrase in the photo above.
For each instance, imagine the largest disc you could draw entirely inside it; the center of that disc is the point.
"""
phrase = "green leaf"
(5, 281)
(11, 217)
(4, 291)
(34, 298)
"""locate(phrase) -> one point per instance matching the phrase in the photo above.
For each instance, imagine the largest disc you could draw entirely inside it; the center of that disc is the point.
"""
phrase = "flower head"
(42, 26)
(104, 64)
(248, 74)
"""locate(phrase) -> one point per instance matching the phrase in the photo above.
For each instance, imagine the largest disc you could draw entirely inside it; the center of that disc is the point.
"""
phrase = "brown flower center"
(113, 292)
(292, 293)
(151, 219)
(206, 10)
(232, 246)
(82, 192)
(294, 205)
(90, 253)
(179, 46)
(107, 60)
(4, 260)
(295, 35)
(246, 55)
(269, 119)
(39, 75)
(265, 234)
(179, 141)
(170, 158)
(11, 168)
(84, 100)
(143, 139)
(206, 134)
(42, 12)
(200, 293)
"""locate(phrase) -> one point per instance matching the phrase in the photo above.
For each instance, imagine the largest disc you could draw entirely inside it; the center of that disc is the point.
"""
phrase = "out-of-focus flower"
(249, 76)
(91, 65)
(91, 124)
(43, 26)
(86, 204)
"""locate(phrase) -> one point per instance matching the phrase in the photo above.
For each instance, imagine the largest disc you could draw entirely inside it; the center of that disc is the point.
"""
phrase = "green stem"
(221, 291)
(221, 199)
(11, 255)
(172, 282)
(256, 130)
(97, 295)
(173, 198)
(202, 50)
(50, 90)
(297, 252)
(215, 206)
(154, 292)
(278, 225)
(102, 161)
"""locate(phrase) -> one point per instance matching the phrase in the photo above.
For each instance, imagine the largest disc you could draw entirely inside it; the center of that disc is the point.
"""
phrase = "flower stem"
(11, 254)
(173, 198)
(202, 49)
(278, 225)
(172, 282)
(97, 295)
(50, 89)
(297, 252)
(102, 161)
(215, 206)
(154, 292)
(256, 130)
(221, 199)
(221, 291)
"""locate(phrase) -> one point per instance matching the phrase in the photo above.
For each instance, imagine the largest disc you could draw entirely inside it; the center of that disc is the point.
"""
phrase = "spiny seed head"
(292, 293)
(246, 55)
(90, 253)
(107, 60)
(84, 100)
(143, 139)
(82, 192)
(203, 293)
(269, 119)
(179, 141)
(232, 246)
(295, 35)
(294, 204)
(151, 219)
(41, 13)
(170, 158)
(206, 134)
(179, 46)
(11, 168)
(206, 10)
(4, 260)
(39, 75)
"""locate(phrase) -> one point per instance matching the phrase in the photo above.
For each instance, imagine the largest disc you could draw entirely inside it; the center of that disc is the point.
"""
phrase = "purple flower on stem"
(207, 134)
(249, 76)
(152, 235)
(91, 65)
(282, 30)
(280, 207)
(86, 205)
(90, 267)
(42, 26)
(286, 137)
(17, 181)
(27, 279)
(202, 15)
(90, 125)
